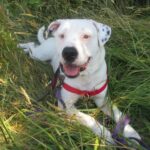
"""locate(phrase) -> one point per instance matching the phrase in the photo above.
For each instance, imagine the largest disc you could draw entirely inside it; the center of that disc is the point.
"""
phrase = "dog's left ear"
(104, 32)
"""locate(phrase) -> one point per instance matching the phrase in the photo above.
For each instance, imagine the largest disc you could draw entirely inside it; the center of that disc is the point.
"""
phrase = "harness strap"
(84, 92)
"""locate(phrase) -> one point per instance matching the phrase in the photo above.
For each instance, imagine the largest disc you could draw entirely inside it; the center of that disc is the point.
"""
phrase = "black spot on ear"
(105, 39)
(108, 32)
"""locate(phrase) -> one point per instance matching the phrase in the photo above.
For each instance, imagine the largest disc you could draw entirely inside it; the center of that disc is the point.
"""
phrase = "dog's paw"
(130, 132)
(26, 50)
(25, 46)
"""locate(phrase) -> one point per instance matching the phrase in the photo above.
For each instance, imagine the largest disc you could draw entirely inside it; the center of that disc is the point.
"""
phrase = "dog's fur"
(88, 38)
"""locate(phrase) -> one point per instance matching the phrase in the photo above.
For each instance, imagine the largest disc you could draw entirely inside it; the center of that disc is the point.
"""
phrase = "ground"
(30, 125)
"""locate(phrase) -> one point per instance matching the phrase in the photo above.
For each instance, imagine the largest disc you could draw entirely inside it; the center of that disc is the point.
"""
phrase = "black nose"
(70, 54)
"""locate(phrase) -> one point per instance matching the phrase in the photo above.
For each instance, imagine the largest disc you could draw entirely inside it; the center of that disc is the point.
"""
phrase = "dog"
(77, 47)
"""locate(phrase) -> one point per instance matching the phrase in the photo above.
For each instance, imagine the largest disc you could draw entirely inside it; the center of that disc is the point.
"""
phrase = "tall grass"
(27, 124)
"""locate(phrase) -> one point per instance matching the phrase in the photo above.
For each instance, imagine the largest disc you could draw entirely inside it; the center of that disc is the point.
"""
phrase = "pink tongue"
(71, 70)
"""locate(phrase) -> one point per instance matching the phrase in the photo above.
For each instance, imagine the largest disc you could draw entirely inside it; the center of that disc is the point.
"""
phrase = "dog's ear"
(52, 28)
(104, 32)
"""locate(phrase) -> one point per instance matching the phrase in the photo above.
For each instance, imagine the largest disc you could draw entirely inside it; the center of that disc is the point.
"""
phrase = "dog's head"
(78, 42)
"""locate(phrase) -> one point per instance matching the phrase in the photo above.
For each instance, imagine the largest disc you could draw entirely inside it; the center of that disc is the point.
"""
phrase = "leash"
(59, 98)
(122, 140)
(51, 85)
(141, 143)
(118, 129)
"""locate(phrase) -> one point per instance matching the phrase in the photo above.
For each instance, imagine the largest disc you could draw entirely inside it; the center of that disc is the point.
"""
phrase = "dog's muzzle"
(72, 70)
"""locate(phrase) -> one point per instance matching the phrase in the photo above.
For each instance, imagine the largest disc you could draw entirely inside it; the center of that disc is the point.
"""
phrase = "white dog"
(77, 46)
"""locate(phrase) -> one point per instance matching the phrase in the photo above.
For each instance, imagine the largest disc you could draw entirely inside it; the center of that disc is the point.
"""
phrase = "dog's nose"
(70, 54)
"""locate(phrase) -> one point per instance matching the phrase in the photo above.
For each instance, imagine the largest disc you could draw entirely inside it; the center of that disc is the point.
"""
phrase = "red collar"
(84, 92)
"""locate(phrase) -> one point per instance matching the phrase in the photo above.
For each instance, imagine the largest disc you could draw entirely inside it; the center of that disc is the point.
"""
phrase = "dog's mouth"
(72, 70)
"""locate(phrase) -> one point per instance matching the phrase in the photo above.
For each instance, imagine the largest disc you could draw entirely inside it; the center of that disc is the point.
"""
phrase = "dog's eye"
(86, 36)
(62, 36)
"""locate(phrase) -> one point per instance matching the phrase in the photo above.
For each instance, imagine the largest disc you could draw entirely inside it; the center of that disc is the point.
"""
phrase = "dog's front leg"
(70, 99)
(116, 114)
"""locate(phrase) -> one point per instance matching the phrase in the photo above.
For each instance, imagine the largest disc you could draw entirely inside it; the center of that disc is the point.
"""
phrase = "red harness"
(84, 92)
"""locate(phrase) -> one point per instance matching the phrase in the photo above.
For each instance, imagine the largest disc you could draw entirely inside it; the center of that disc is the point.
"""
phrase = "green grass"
(23, 80)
